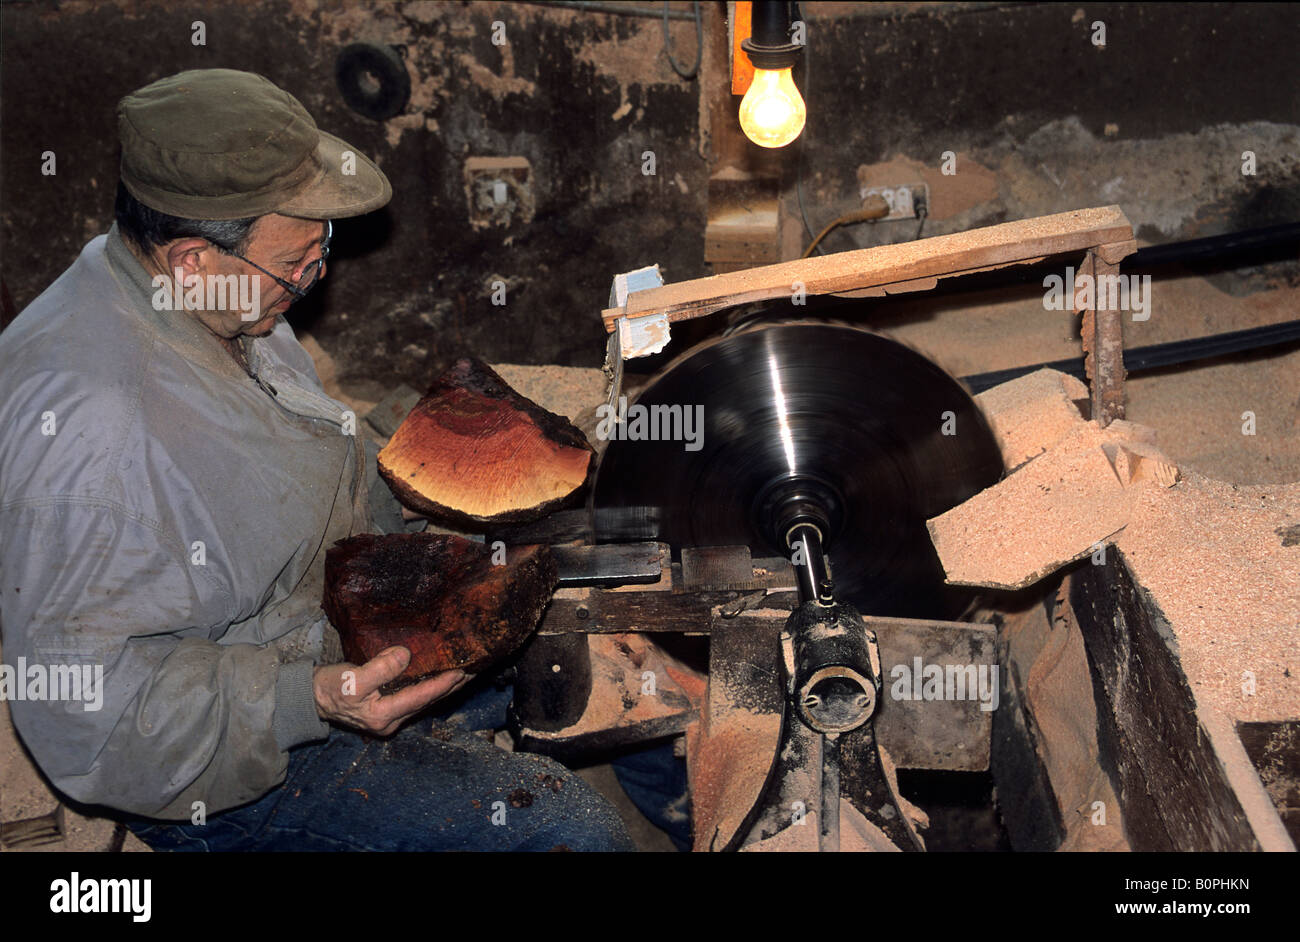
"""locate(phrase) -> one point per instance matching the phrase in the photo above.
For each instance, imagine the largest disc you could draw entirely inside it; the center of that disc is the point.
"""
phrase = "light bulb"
(772, 113)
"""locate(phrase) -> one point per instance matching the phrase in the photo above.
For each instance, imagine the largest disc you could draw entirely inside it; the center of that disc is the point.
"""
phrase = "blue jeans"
(423, 789)
(429, 788)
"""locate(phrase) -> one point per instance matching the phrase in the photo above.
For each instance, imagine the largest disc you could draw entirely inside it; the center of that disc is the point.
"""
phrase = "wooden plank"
(1274, 749)
(928, 284)
(937, 257)
(1051, 512)
(1161, 749)
(731, 753)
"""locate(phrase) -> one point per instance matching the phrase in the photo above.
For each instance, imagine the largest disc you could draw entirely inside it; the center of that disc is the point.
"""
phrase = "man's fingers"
(402, 704)
(382, 714)
(464, 679)
(381, 668)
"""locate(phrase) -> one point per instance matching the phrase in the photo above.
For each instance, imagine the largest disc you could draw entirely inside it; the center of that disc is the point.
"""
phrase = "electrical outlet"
(499, 191)
(902, 199)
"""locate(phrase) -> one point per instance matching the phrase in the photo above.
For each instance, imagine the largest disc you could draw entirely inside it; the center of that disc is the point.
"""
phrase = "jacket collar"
(177, 329)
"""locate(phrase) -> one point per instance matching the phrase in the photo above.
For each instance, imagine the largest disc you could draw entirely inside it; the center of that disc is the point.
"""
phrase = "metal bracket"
(642, 336)
(632, 336)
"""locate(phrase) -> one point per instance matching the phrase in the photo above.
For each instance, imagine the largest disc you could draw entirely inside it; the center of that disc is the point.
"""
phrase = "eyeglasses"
(310, 275)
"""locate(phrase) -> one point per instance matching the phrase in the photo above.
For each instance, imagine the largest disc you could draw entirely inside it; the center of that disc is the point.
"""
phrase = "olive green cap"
(222, 144)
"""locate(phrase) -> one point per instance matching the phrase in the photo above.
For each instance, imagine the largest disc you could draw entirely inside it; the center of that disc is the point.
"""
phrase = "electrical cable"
(878, 211)
(699, 43)
(803, 150)
(611, 9)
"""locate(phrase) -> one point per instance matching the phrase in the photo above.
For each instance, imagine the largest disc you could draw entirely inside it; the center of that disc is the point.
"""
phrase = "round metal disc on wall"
(372, 80)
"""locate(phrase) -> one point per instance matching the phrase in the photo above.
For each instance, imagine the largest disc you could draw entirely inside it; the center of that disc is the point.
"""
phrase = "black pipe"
(771, 23)
(1157, 355)
(1212, 246)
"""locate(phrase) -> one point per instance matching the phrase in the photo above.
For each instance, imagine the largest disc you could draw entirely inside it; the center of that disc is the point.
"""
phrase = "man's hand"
(350, 695)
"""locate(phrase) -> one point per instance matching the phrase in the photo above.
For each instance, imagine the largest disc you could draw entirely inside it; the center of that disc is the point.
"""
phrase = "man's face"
(286, 247)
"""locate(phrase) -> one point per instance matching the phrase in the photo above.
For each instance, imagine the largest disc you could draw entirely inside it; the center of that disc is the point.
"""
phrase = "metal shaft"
(810, 566)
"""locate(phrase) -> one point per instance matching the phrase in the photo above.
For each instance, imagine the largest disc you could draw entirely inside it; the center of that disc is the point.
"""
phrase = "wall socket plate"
(902, 199)
(499, 191)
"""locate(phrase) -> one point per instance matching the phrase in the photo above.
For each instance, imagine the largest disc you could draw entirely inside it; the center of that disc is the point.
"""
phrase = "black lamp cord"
(694, 70)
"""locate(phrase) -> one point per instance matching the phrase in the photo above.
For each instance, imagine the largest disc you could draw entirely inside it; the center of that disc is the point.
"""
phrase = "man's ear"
(191, 256)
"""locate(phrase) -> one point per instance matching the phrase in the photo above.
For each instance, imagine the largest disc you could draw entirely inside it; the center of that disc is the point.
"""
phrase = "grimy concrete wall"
(1040, 119)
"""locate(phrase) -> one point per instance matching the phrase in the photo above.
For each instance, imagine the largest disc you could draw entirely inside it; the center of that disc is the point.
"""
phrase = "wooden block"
(1131, 449)
(1137, 461)
(916, 284)
(1124, 430)
(474, 451)
(1051, 512)
(438, 595)
(1032, 413)
(1114, 252)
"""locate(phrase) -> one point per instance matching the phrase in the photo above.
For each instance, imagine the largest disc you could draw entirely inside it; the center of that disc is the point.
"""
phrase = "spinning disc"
(852, 418)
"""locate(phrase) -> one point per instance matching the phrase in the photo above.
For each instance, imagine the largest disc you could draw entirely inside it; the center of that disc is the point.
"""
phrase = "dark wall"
(929, 81)
(1043, 122)
(1155, 120)
(409, 288)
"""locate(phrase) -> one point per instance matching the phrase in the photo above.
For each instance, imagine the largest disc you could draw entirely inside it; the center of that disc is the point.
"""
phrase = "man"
(171, 475)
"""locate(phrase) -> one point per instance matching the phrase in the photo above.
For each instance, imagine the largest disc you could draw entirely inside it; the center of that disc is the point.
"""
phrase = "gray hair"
(148, 228)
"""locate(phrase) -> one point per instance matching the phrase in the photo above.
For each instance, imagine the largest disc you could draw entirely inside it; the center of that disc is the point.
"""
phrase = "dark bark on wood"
(1170, 781)
(438, 595)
